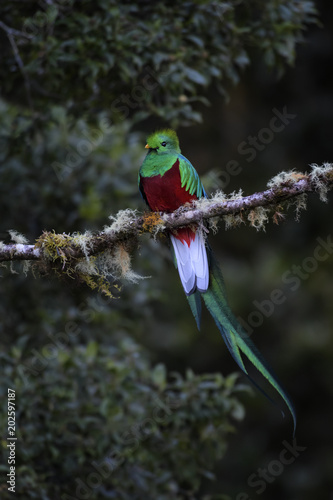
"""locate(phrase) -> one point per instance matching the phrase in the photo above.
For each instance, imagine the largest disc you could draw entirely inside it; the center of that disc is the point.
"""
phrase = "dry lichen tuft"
(258, 218)
(17, 237)
(121, 221)
(284, 179)
(319, 176)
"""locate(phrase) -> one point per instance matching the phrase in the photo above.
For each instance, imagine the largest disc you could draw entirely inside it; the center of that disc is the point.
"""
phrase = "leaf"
(92, 349)
(195, 39)
(159, 375)
(195, 76)
(242, 59)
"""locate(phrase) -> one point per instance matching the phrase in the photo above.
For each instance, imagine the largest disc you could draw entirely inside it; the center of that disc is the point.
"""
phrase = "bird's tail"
(190, 258)
(233, 334)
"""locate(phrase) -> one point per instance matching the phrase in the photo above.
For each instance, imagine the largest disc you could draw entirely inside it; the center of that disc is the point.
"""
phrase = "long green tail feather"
(235, 337)
(195, 305)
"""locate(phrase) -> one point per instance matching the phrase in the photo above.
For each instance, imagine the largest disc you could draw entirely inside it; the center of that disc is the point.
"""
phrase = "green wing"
(190, 178)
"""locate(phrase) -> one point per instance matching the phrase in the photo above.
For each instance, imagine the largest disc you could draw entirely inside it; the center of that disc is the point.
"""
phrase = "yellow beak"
(147, 146)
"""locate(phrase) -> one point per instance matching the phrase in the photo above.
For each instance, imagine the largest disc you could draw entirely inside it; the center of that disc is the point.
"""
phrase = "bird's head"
(162, 142)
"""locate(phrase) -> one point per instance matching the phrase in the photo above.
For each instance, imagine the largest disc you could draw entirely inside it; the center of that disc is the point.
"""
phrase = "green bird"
(167, 180)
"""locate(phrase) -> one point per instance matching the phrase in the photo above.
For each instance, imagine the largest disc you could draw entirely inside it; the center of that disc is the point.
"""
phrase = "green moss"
(60, 261)
(53, 245)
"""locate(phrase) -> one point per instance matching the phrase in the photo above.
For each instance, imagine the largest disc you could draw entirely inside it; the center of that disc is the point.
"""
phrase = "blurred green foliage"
(99, 422)
(79, 81)
(142, 59)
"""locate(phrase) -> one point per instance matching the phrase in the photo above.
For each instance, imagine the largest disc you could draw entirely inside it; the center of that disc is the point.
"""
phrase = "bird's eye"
(163, 144)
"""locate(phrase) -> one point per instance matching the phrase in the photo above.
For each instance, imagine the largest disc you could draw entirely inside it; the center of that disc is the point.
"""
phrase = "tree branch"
(14, 32)
(11, 32)
(127, 226)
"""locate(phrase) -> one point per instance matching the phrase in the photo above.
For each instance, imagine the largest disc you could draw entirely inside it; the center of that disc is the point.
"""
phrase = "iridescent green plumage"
(157, 163)
(168, 180)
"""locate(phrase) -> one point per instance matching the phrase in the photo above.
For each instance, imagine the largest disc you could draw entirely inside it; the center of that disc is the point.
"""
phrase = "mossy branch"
(106, 253)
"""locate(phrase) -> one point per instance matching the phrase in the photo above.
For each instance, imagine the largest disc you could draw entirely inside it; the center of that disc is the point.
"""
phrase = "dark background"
(297, 338)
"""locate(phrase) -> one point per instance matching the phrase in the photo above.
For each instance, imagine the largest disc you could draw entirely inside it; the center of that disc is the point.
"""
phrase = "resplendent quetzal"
(167, 180)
